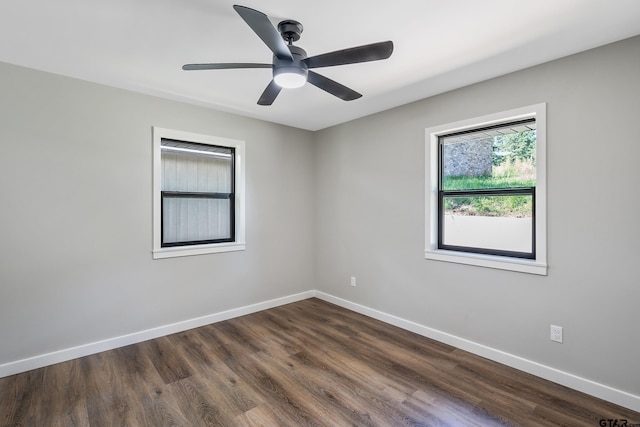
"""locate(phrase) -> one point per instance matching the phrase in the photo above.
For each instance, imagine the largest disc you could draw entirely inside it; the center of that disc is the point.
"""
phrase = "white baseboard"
(47, 359)
(584, 385)
(575, 382)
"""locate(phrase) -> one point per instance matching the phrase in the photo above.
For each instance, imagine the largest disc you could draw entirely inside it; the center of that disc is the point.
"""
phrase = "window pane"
(187, 219)
(496, 157)
(503, 223)
(182, 172)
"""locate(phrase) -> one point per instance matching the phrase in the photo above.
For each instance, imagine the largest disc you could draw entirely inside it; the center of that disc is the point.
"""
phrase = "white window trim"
(537, 266)
(239, 146)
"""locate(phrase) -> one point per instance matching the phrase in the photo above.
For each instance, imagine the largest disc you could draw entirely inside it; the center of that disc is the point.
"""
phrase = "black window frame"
(509, 191)
(202, 195)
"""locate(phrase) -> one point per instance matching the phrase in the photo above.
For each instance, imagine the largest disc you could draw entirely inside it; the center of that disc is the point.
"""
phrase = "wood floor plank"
(150, 398)
(260, 416)
(61, 399)
(213, 373)
(20, 408)
(166, 361)
(199, 404)
(301, 364)
(361, 405)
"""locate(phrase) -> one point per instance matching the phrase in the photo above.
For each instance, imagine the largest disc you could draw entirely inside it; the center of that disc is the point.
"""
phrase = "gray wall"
(76, 219)
(370, 219)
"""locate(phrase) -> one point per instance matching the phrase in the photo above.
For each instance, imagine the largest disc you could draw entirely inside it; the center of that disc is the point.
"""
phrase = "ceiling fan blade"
(260, 24)
(227, 66)
(366, 53)
(270, 93)
(333, 87)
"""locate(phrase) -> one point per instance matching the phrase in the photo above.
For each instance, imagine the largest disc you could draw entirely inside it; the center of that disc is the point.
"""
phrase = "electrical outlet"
(556, 333)
(353, 280)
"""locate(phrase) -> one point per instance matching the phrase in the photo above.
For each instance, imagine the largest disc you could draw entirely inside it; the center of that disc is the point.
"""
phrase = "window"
(487, 203)
(198, 194)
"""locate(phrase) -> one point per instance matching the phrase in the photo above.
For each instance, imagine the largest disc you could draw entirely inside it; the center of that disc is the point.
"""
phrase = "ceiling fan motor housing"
(297, 66)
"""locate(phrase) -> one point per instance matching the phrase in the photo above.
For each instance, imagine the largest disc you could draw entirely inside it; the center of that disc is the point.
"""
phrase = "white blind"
(196, 168)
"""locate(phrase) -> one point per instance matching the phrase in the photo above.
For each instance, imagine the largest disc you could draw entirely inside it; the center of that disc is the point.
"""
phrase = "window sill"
(197, 250)
(489, 261)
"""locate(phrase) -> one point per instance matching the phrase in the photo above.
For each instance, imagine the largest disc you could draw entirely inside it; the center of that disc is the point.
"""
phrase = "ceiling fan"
(291, 66)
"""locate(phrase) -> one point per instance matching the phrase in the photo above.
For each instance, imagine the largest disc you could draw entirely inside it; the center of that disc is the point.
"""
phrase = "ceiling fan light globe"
(290, 80)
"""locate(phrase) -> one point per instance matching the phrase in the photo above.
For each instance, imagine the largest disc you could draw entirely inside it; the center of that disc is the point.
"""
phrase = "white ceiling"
(439, 45)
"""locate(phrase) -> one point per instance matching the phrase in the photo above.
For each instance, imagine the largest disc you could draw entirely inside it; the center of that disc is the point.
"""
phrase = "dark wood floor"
(307, 363)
